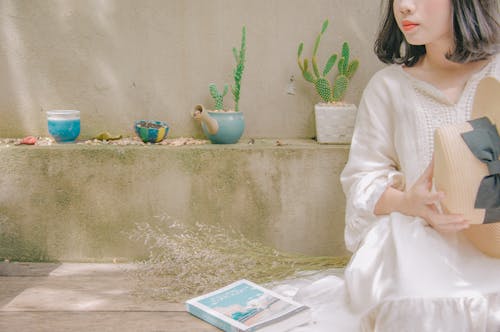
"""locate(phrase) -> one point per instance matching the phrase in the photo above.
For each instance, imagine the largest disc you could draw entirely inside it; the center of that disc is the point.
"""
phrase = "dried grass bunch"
(186, 261)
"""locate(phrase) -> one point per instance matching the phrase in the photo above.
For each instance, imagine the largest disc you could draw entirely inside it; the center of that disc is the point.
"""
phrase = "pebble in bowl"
(151, 131)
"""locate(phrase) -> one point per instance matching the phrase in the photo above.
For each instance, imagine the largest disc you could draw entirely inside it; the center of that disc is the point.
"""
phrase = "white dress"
(403, 276)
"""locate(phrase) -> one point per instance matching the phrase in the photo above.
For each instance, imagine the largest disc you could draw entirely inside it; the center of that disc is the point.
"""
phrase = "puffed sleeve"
(373, 164)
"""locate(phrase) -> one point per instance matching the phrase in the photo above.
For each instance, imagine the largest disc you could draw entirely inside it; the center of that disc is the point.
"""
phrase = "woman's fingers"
(453, 227)
(424, 202)
(425, 180)
(447, 222)
(433, 197)
(444, 219)
(429, 171)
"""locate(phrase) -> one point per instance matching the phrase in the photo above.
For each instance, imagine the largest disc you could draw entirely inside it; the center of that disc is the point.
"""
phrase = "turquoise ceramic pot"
(231, 127)
(64, 125)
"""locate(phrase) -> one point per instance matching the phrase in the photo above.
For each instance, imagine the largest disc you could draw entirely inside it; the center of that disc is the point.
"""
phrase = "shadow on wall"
(59, 52)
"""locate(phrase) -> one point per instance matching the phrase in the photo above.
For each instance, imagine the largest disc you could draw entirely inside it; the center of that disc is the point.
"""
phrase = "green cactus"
(240, 57)
(340, 86)
(217, 96)
(346, 69)
(323, 88)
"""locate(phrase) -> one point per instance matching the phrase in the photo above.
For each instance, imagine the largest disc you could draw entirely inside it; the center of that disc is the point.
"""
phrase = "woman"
(412, 270)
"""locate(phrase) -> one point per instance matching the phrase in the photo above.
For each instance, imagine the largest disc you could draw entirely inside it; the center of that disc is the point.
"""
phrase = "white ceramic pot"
(334, 123)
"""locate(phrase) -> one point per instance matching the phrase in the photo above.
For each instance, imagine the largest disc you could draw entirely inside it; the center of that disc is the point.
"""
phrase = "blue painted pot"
(231, 127)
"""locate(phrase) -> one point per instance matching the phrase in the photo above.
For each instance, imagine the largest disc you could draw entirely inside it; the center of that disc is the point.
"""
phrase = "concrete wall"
(79, 203)
(122, 60)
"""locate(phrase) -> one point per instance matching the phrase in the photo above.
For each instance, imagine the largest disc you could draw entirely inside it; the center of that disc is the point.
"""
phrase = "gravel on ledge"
(46, 141)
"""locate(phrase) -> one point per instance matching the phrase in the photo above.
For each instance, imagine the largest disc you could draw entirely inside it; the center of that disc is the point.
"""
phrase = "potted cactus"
(334, 118)
(221, 125)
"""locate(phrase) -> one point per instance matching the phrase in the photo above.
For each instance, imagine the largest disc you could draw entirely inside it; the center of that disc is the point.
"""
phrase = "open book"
(246, 306)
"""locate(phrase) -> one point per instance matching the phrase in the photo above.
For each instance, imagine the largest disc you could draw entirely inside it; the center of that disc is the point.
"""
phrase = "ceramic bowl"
(64, 125)
(151, 131)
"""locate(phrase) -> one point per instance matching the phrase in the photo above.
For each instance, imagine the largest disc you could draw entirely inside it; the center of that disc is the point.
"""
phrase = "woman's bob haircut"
(475, 26)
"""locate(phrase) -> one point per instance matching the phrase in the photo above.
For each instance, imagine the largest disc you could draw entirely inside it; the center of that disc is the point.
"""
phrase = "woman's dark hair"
(476, 33)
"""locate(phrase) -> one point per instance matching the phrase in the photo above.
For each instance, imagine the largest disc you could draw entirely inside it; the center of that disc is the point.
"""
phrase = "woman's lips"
(408, 25)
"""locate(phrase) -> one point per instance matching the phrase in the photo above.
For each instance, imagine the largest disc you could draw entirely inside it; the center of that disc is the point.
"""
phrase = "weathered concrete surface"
(80, 203)
(84, 297)
(118, 61)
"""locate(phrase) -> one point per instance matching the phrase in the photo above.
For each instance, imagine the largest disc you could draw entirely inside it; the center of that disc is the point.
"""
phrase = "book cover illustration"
(247, 306)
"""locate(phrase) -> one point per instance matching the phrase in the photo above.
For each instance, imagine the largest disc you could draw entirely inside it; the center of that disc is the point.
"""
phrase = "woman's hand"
(420, 201)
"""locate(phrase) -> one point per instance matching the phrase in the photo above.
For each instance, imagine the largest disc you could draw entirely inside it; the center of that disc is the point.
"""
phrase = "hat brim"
(458, 173)
(487, 100)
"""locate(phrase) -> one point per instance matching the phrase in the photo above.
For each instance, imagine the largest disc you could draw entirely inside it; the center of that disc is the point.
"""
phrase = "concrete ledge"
(79, 203)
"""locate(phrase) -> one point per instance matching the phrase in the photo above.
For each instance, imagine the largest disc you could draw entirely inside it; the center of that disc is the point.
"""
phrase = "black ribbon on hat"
(484, 143)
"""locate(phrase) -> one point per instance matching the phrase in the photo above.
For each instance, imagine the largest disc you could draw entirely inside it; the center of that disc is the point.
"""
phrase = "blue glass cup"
(64, 125)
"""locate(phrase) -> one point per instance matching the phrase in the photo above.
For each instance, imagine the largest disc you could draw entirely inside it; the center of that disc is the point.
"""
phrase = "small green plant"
(330, 93)
(240, 57)
(217, 96)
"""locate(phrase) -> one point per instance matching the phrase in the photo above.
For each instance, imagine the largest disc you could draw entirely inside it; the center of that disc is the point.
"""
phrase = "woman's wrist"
(405, 205)
(392, 200)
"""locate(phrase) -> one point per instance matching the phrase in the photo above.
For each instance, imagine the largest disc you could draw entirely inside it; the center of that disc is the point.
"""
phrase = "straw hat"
(459, 173)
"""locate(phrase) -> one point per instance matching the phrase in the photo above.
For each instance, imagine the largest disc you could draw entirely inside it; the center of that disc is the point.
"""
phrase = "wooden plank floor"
(83, 297)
